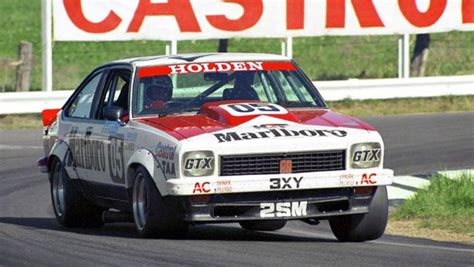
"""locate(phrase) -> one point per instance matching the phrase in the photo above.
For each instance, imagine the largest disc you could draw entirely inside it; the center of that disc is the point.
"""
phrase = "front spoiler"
(320, 204)
(262, 183)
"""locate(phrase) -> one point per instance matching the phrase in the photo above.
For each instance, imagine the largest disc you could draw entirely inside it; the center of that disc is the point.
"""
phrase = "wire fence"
(322, 58)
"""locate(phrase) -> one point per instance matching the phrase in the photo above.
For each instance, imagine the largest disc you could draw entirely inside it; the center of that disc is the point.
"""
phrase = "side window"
(82, 105)
(116, 91)
(121, 84)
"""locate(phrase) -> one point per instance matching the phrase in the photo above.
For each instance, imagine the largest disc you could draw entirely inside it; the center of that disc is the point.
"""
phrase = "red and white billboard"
(100, 20)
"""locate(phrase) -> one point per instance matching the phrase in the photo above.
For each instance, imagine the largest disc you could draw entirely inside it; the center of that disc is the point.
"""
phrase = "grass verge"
(15, 122)
(365, 108)
(444, 210)
(356, 108)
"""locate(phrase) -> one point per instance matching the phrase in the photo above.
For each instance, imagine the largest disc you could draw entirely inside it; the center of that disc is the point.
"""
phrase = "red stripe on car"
(215, 67)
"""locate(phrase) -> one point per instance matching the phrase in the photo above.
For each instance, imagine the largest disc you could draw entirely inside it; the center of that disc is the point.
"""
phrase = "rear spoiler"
(49, 116)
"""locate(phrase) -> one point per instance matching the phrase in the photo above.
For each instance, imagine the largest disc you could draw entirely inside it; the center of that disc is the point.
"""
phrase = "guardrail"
(396, 88)
(35, 102)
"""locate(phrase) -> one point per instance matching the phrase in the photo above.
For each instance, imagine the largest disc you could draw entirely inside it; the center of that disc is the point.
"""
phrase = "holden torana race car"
(169, 141)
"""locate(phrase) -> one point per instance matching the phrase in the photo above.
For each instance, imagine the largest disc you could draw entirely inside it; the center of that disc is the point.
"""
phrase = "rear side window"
(82, 105)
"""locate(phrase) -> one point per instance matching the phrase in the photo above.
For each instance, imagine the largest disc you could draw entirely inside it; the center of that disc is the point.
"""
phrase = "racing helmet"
(158, 88)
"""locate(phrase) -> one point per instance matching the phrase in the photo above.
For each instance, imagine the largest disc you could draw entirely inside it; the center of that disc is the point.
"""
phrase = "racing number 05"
(116, 161)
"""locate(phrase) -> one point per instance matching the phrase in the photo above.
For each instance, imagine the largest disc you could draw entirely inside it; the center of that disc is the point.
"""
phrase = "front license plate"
(284, 209)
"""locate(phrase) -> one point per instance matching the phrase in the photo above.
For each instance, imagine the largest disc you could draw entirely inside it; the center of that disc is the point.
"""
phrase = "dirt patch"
(413, 229)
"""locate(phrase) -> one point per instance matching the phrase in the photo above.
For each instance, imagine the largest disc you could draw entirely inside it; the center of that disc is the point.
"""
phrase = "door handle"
(89, 131)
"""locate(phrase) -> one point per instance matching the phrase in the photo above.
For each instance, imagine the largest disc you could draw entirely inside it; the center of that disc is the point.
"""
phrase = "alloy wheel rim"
(58, 191)
(140, 202)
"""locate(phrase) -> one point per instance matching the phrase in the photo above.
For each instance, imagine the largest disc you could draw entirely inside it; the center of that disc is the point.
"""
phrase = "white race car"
(169, 141)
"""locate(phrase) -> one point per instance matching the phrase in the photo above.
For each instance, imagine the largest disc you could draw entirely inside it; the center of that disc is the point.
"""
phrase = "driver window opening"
(116, 92)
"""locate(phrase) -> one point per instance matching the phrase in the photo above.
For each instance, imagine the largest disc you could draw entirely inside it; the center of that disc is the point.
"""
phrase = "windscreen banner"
(115, 20)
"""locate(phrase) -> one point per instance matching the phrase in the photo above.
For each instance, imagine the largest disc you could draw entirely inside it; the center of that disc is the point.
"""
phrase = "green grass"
(323, 58)
(15, 122)
(445, 204)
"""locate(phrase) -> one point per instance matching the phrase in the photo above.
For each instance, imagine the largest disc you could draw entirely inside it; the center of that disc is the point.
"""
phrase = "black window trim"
(111, 70)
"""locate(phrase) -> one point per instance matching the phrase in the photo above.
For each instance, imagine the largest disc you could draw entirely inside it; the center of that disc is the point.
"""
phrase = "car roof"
(199, 58)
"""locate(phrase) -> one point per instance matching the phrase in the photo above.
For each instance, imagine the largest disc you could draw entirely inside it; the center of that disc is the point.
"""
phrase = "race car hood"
(217, 116)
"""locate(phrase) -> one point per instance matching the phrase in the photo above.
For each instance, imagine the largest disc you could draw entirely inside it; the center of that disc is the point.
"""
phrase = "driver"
(158, 91)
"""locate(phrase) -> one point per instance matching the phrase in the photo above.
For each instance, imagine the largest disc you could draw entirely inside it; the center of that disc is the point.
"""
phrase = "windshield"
(163, 90)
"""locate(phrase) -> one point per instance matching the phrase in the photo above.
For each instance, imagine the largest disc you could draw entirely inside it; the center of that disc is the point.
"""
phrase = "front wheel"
(363, 227)
(70, 207)
(153, 218)
(271, 225)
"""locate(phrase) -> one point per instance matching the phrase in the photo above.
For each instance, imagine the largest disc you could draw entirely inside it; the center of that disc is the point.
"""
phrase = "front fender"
(146, 159)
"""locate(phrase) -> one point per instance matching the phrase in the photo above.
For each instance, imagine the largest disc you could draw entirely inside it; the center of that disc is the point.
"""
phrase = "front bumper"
(318, 204)
(279, 182)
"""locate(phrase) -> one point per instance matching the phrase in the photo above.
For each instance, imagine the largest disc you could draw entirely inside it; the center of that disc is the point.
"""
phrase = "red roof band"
(214, 67)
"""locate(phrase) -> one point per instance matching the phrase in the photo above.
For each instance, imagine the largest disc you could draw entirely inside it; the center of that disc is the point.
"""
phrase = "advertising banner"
(115, 20)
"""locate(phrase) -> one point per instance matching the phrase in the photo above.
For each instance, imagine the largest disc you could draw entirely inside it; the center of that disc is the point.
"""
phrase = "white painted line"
(17, 147)
(411, 181)
(422, 246)
(398, 193)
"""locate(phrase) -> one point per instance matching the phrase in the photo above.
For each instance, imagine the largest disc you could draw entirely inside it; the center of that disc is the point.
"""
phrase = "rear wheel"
(363, 227)
(70, 207)
(153, 218)
(263, 225)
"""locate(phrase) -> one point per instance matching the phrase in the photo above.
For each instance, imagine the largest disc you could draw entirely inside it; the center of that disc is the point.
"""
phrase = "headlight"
(366, 155)
(198, 163)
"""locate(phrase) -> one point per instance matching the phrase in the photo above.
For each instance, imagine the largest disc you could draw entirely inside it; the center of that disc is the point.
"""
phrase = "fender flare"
(61, 150)
(146, 159)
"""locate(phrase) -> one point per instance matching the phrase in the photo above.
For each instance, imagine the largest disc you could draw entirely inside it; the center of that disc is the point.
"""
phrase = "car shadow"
(210, 232)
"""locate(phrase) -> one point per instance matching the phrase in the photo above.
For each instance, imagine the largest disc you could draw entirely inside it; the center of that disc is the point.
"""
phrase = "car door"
(76, 128)
(109, 136)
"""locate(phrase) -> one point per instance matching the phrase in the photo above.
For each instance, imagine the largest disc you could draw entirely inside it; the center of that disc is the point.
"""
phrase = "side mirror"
(113, 113)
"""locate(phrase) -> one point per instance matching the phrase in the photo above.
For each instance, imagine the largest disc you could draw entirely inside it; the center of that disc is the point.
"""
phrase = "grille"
(270, 163)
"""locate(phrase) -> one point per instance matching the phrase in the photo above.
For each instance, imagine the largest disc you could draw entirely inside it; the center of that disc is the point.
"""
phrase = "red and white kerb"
(214, 67)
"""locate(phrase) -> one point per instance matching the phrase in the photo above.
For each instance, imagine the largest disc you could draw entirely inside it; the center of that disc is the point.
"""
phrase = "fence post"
(223, 45)
(420, 55)
(23, 70)
(404, 56)
(287, 47)
(171, 48)
(46, 45)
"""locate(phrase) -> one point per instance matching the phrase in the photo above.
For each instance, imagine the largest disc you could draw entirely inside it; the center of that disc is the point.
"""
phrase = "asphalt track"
(29, 234)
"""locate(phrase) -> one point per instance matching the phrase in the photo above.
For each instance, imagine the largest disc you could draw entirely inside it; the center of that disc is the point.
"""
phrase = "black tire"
(153, 218)
(271, 225)
(69, 205)
(363, 227)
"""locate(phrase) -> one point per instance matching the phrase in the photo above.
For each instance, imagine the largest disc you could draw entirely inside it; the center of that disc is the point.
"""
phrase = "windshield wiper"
(297, 104)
